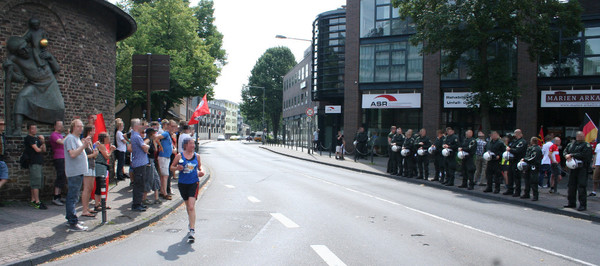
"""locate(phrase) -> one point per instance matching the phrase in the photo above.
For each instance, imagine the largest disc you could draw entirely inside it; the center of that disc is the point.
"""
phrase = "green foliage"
(208, 32)
(459, 27)
(167, 27)
(268, 72)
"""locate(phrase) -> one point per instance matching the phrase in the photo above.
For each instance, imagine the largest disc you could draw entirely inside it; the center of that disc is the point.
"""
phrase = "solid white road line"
(328, 256)
(457, 223)
(253, 199)
(229, 186)
(284, 220)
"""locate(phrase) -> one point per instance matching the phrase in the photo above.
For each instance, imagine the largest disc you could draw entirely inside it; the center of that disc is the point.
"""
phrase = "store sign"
(459, 100)
(388, 101)
(572, 98)
(333, 109)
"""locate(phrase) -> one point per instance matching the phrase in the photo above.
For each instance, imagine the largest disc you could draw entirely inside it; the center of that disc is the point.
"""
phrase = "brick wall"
(352, 101)
(527, 103)
(82, 37)
(432, 102)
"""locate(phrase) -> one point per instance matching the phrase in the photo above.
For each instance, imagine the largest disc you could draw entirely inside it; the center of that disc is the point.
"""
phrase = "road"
(262, 208)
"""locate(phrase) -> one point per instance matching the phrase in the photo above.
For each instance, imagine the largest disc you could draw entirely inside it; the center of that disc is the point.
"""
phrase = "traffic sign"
(310, 112)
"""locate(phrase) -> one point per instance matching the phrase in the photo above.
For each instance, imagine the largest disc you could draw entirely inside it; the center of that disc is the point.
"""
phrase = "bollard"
(103, 198)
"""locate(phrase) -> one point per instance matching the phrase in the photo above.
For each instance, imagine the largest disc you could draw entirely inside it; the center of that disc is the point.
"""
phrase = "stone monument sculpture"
(28, 61)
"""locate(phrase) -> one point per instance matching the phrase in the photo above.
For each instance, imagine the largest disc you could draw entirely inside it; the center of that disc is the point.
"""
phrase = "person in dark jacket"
(450, 143)
(409, 159)
(533, 158)
(517, 148)
(398, 140)
(493, 174)
(469, 145)
(423, 143)
(391, 166)
(438, 162)
(578, 177)
(361, 139)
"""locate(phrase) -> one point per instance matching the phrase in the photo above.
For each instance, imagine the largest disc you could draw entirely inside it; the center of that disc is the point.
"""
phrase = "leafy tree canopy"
(169, 27)
(268, 72)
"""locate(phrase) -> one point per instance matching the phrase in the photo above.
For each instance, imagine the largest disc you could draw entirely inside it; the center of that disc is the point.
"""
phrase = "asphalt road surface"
(261, 208)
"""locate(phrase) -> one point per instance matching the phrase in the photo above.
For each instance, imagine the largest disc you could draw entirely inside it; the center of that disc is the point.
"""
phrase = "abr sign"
(389, 101)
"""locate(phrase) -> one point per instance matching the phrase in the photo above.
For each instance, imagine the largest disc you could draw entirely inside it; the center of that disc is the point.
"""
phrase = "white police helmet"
(431, 149)
(488, 155)
(507, 155)
(355, 142)
(395, 148)
(522, 165)
(446, 152)
(405, 152)
(462, 154)
(574, 163)
(421, 152)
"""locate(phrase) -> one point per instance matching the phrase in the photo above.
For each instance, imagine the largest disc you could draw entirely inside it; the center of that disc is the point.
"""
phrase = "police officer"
(409, 159)
(577, 187)
(533, 158)
(469, 145)
(398, 140)
(450, 143)
(391, 165)
(493, 174)
(517, 148)
(423, 143)
(438, 161)
(361, 147)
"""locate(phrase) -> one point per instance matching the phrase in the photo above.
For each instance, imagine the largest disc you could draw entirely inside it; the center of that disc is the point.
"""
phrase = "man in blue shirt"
(165, 150)
(139, 163)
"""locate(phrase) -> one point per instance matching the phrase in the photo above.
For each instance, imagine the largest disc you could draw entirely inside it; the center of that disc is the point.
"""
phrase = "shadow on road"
(176, 250)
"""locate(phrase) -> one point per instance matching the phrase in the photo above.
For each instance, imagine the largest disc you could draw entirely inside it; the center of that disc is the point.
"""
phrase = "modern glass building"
(388, 82)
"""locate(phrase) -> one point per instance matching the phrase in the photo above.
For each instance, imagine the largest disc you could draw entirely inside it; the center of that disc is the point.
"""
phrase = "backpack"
(24, 161)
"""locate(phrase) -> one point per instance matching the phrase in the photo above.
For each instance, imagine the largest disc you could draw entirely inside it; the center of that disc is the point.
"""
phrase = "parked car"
(234, 137)
(258, 135)
(249, 138)
(221, 138)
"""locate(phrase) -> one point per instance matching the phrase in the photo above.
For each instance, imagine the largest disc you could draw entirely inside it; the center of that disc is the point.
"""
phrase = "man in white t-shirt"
(546, 161)
(596, 176)
(185, 133)
(76, 164)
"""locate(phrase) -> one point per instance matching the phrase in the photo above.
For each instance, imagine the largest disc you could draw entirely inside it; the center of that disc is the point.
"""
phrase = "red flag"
(589, 129)
(201, 110)
(100, 126)
(541, 136)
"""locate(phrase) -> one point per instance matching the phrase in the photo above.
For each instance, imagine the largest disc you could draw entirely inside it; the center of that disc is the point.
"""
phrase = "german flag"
(540, 136)
(589, 129)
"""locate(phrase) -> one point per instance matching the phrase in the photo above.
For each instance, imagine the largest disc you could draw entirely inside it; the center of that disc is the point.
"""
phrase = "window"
(390, 62)
(579, 55)
(379, 18)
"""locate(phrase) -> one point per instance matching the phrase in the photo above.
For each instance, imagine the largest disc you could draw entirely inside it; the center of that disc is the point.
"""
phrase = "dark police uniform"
(533, 157)
(469, 146)
(577, 187)
(399, 140)
(391, 166)
(409, 159)
(492, 173)
(450, 161)
(361, 146)
(517, 149)
(423, 161)
(438, 161)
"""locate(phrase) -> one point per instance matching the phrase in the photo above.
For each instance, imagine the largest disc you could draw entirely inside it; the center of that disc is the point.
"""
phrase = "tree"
(208, 32)
(268, 72)
(166, 27)
(460, 27)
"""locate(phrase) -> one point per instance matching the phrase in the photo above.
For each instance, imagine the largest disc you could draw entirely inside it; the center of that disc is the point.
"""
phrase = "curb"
(560, 211)
(135, 226)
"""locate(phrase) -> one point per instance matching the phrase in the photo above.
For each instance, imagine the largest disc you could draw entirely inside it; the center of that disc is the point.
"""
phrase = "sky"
(249, 29)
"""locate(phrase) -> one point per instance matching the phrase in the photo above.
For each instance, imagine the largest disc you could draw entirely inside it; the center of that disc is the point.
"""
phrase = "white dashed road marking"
(229, 186)
(328, 256)
(284, 220)
(253, 199)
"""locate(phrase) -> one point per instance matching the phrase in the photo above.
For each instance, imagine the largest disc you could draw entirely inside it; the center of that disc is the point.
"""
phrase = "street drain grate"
(173, 231)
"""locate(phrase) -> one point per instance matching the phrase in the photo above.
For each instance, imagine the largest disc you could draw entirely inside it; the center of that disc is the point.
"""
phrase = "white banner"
(386, 101)
(459, 100)
(572, 98)
(333, 109)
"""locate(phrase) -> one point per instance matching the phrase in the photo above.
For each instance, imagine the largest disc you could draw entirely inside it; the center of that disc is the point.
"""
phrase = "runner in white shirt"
(545, 168)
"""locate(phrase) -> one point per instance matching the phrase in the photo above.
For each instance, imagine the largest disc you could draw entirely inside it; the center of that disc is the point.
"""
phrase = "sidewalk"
(547, 202)
(31, 236)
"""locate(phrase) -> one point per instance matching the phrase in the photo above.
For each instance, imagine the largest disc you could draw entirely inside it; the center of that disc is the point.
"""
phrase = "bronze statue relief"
(28, 61)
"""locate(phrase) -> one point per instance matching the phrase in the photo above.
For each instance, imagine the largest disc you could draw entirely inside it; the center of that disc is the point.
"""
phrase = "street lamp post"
(278, 36)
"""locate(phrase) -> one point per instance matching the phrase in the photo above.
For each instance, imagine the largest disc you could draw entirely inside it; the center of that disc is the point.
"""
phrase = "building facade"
(232, 111)
(388, 82)
(212, 125)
